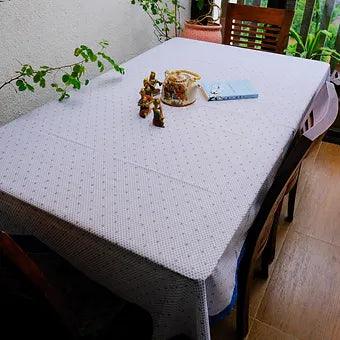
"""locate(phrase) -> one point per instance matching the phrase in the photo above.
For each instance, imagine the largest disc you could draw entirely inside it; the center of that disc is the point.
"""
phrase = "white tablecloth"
(159, 216)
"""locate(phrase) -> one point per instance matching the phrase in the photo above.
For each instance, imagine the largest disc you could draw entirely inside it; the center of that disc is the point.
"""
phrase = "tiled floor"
(301, 298)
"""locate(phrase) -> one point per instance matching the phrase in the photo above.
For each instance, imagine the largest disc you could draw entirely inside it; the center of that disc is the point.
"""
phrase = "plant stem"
(8, 82)
(158, 29)
(65, 66)
(49, 70)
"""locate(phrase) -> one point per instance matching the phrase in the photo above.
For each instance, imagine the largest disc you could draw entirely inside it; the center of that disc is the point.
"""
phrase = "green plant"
(165, 15)
(28, 77)
(311, 49)
(207, 17)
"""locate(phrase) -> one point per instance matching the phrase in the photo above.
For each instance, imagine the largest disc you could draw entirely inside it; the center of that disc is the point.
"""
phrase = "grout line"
(251, 327)
(316, 239)
(276, 329)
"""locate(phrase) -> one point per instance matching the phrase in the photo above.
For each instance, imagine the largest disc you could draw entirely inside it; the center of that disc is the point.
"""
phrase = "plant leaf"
(295, 35)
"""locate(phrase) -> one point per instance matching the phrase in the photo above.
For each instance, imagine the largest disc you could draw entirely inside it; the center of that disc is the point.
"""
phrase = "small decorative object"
(144, 103)
(148, 100)
(153, 83)
(158, 116)
(147, 92)
(179, 87)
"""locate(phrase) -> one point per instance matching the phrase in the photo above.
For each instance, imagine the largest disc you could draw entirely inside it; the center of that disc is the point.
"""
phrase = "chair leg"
(291, 203)
(244, 278)
(14, 253)
(268, 254)
(242, 312)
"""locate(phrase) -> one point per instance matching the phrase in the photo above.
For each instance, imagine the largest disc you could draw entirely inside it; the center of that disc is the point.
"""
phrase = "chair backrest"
(259, 232)
(256, 27)
(302, 144)
(314, 112)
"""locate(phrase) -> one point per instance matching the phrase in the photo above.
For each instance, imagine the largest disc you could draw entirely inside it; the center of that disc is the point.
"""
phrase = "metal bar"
(326, 18)
(307, 18)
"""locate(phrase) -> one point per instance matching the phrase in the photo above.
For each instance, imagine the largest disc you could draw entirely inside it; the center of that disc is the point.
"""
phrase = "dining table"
(157, 215)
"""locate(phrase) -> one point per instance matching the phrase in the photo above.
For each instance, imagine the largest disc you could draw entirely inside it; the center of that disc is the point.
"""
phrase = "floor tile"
(303, 295)
(262, 331)
(318, 212)
(259, 286)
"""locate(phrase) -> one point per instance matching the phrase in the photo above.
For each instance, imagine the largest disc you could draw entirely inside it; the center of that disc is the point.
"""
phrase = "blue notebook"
(229, 90)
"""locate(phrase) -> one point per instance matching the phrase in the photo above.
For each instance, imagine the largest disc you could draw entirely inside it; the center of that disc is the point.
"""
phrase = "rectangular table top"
(175, 196)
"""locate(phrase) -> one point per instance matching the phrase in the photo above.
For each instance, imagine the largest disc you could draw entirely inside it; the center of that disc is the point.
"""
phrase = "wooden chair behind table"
(314, 114)
(261, 237)
(255, 27)
(86, 309)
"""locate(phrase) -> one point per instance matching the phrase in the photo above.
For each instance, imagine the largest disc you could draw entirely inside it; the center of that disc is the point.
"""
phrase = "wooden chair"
(86, 309)
(261, 237)
(314, 114)
(256, 27)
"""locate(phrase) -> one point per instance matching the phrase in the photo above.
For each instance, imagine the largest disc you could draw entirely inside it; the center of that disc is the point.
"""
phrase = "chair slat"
(264, 27)
(251, 44)
(253, 32)
(255, 25)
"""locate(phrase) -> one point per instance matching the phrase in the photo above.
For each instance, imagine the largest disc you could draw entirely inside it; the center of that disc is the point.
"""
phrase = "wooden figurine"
(144, 103)
(147, 88)
(153, 83)
(158, 116)
(148, 101)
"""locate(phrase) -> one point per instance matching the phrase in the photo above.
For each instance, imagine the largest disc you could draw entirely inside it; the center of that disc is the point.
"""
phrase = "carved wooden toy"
(158, 116)
(148, 100)
(144, 103)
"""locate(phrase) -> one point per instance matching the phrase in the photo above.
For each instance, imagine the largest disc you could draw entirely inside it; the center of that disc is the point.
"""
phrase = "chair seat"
(93, 307)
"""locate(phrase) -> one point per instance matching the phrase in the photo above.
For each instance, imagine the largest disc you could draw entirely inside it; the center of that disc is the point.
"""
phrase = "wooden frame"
(35, 275)
(57, 282)
(256, 27)
(261, 237)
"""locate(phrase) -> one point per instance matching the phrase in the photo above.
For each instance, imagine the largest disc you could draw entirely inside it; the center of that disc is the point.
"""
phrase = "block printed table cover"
(158, 216)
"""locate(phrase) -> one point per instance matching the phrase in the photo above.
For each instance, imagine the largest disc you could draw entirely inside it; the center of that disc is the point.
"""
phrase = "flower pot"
(211, 32)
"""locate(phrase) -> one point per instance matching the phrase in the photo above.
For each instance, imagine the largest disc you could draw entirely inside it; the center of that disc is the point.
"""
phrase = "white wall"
(41, 32)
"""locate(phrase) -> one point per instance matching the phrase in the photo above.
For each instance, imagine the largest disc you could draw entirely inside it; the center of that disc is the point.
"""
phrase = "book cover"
(228, 90)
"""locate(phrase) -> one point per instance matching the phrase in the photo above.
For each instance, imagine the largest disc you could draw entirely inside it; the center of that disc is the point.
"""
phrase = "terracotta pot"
(211, 33)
